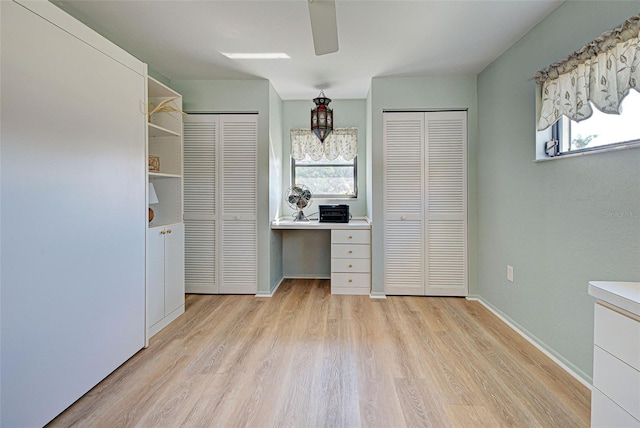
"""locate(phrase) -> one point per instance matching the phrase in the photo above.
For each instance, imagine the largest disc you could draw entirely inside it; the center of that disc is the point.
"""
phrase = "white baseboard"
(309, 276)
(377, 295)
(272, 292)
(531, 339)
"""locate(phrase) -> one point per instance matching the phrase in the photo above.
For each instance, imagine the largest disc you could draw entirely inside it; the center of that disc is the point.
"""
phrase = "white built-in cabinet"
(73, 210)
(165, 276)
(425, 203)
(615, 397)
(220, 203)
(165, 234)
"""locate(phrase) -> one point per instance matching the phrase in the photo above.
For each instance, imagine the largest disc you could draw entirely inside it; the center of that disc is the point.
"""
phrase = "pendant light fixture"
(322, 117)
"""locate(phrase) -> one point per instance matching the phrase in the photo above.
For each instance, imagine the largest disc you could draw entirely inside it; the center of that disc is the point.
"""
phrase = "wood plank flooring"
(307, 358)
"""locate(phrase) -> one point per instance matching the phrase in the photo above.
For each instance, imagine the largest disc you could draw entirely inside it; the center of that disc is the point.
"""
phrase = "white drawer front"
(618, 334)
(617, 380)
(606, 414)
(351, 265)
(348, 251)
(342, 236)
(350, 280)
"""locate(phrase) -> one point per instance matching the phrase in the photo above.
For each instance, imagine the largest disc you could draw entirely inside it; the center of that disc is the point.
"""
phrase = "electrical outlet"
(510, 273)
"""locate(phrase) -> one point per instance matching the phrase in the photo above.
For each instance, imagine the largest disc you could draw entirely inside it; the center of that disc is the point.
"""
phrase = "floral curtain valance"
(341, 142)
(602, 72)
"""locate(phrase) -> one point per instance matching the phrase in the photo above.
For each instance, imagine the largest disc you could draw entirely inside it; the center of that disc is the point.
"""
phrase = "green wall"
(275, 177)
(420, 93)
(347, 114)
(305, 253)
(559, 223)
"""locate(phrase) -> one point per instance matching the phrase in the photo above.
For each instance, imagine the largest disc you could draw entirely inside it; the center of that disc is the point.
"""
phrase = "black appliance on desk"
(334, 213)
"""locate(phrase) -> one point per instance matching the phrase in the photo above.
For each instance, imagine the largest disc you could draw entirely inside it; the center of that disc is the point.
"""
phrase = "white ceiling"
(183, 39)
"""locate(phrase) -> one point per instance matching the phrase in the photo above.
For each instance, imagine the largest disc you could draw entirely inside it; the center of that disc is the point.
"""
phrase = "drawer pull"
(350, 266)
(163, 232)
(350, 252)
(350, 280)
(350, 237)
(169, 231)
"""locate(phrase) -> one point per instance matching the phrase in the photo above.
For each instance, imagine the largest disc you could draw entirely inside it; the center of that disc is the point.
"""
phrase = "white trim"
(57, 16)
(603, 149)
(377, 295)
(308, 276)
(531, 339)
(272, 292)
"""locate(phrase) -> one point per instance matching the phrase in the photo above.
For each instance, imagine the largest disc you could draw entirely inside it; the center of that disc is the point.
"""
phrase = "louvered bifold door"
(446, 190)
(201, 138)
(403, 141)
(239, 204)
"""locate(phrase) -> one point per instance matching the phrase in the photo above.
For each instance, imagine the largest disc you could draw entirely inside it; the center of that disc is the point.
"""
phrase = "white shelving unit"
(165, 236)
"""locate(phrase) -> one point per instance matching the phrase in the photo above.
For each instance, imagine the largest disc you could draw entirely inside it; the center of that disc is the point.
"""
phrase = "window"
(327, 179)
(601, 130)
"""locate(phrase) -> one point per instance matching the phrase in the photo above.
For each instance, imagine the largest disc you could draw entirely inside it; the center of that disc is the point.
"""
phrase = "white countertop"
(288, 223)
(625, 295)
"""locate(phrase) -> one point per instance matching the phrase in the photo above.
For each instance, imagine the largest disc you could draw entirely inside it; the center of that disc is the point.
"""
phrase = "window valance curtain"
(341, 142)
(602, 72)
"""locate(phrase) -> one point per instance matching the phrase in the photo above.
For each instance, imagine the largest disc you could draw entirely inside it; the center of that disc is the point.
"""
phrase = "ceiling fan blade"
(324, 26)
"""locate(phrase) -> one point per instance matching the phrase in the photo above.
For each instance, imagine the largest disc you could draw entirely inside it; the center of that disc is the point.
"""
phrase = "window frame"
(353, 163)
(561, 133)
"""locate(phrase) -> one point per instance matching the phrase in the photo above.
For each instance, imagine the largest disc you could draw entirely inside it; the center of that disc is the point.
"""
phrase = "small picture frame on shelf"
(154, 163)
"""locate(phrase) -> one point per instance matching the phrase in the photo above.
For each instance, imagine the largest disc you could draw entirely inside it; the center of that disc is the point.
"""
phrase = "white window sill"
(634, 145)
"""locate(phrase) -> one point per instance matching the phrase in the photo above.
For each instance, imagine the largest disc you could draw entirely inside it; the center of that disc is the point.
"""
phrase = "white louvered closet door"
(403, 142)
(201, 141)
(446, 203)
(239, 227)
(425, 197)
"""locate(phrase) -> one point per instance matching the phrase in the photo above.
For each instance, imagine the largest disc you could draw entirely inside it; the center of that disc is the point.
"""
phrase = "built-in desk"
(350, 252)
(288, 223)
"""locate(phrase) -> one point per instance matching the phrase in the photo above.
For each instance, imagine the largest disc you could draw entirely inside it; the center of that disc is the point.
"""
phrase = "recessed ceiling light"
(268, 55)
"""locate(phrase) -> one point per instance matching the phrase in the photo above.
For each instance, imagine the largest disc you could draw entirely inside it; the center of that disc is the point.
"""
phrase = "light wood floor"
(307, 358)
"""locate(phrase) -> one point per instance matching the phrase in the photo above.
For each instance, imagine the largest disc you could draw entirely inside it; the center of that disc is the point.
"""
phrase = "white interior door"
(403, 139)
(446, 203)
(239, 228)
(425, 197)
(201, 141)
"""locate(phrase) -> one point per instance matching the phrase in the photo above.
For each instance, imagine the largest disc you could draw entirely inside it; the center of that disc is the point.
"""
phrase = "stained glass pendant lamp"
(322, 117)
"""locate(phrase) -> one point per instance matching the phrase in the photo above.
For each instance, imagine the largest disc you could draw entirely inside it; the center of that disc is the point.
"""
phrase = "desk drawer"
(343, 236)
(350, 280)
(351, 265)
(350, 251)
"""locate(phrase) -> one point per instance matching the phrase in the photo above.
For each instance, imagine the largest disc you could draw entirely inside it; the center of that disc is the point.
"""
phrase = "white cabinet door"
(173, 268)
(155, 275)
(165, 276)
(403, 199)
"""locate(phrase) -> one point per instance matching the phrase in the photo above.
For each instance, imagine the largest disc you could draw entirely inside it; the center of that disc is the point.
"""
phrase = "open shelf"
(159, 131)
